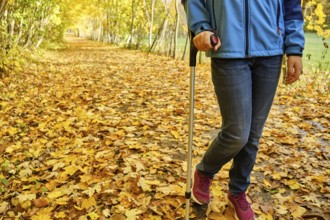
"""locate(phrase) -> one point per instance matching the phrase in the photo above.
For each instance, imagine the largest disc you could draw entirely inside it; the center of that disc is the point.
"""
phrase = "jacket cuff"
(294, 50)
(203, 27)
(299, 55)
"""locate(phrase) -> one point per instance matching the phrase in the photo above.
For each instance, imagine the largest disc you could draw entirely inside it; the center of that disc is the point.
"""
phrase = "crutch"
(192, 65)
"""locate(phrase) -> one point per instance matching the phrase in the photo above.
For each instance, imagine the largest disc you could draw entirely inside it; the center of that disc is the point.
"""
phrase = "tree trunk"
(39, 42)
(185, 47)
(162, 34)
(12, 29)
(170, 48)
(158, 35)
(29, 37)
(151, 20)
(2, 7)
(177, 22)
(132, 25)
(20, 32)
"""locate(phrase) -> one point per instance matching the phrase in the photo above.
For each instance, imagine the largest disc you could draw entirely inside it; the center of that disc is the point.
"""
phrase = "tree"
(315, 18)
(177, 23)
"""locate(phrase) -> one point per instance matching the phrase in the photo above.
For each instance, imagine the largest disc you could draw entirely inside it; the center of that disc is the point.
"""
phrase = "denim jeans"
(245, 90)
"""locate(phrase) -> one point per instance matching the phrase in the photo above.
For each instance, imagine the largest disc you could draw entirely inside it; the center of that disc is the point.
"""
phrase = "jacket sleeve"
(198, 16)
(294, 27)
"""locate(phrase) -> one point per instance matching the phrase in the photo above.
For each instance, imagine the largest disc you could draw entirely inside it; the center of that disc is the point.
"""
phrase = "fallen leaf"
(40, 202)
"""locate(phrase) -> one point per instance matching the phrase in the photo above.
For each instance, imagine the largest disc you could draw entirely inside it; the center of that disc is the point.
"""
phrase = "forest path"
(96, 131)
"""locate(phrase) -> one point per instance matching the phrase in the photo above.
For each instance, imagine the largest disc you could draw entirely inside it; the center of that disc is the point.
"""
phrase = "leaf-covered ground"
(99, 132)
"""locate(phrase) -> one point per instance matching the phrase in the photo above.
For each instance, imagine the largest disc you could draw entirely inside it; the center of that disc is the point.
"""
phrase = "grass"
(315, 54)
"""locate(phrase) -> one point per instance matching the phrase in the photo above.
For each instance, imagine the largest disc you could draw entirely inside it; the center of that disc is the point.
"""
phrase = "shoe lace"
(242, 201)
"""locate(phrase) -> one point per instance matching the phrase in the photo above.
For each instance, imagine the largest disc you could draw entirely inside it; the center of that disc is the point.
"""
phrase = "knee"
(236, 141)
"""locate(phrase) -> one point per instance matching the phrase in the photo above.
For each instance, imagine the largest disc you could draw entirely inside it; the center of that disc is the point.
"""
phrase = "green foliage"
(26, 24)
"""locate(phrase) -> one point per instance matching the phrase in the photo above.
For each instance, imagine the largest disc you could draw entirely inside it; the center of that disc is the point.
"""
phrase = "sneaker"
(201, 188)
(242, 207)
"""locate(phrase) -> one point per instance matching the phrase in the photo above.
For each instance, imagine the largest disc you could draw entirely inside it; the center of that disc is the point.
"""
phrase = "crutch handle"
(214, 40)
(193, 51)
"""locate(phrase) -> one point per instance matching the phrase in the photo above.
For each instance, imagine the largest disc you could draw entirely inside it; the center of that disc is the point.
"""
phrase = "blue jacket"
(249, 28)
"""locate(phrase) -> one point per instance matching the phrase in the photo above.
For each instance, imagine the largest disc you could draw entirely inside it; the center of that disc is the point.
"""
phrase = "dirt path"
(99, 132)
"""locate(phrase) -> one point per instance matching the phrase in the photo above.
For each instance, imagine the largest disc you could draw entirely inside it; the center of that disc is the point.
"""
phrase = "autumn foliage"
(99, 132)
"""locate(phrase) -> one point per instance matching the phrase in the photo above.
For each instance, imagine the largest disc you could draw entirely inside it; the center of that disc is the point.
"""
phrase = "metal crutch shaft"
(192, 64)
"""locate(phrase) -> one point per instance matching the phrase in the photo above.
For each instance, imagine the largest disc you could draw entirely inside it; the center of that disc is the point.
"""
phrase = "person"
(246, 63)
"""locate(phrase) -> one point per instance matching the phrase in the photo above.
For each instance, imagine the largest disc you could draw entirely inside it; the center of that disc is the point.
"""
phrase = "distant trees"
(27, 22)
(153, 25)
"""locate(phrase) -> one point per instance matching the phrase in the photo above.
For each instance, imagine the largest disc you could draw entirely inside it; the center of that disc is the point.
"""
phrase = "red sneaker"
(201, 188)
(242, 207)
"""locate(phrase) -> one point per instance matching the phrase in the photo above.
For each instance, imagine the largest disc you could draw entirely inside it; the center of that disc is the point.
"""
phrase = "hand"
(203, 43)
(294, 69)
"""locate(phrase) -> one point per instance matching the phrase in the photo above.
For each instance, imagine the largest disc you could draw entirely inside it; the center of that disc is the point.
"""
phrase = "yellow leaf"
(45, 211)
(320, 178)
(144, 186)
(87, 203)
(266, 183)
(58, 166)
(175, 134)
(25, 172)
(85, 178)
(139, 166)
(217, 190)
(93, 215)
(3, 207)
(280, 209)
(55, 194)
(41, 217)
(27, 197)
(60, 215)
(293, 184)
(69, 171)
(42, 127)
(11, 214)
(298, 212)
(106, 213)
(171, 190)
(154, 217)
(62, 201)
(26, 204)
(263, 216)
(132, 214)
(12, 131)
(276, 176)
(78, 208)
(153, 182)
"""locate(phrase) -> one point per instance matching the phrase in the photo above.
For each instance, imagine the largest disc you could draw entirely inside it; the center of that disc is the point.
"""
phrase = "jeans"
(245, 89)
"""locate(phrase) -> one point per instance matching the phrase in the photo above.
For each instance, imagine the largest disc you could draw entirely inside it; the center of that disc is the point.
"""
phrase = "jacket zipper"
(278, 18)
(247, 28)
